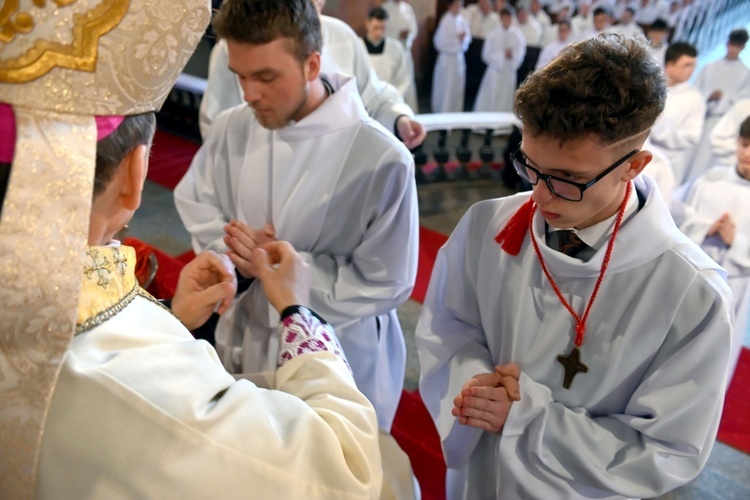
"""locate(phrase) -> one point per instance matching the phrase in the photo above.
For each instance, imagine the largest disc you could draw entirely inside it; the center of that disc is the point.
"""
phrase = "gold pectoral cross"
(573, 366)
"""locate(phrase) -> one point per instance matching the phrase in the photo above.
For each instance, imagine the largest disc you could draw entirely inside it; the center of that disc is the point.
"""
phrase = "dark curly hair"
(258, 22)
(609, 87)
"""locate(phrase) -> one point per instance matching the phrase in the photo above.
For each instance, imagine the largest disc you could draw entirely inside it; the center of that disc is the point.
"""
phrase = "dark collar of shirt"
(374, 48)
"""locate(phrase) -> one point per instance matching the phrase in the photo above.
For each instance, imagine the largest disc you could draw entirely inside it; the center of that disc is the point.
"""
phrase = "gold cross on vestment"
(121, 262)
(573, 366)
(100, 266)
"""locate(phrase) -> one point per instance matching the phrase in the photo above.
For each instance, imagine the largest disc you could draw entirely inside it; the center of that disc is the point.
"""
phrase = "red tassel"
(511, 237)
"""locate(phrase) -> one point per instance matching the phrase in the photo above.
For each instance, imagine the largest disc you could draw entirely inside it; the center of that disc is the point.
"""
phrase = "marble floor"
(727, 474)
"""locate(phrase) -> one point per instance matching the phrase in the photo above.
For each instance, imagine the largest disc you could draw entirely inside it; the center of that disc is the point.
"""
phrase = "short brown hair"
(258, 22)
(609, 87)
(134, 131)
(745, 128)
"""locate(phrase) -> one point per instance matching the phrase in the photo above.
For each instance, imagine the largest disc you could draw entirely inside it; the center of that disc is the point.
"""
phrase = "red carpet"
(429, 243)
(170, 158)
(734, 428)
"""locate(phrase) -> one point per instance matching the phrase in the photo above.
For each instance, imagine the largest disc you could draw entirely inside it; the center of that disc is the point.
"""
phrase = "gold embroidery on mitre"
(44, 55)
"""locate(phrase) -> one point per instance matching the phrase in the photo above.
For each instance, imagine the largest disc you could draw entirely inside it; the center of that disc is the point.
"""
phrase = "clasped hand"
(485, 400)
(242, 240)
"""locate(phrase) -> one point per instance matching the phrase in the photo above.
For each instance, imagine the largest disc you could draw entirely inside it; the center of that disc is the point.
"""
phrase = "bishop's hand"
(485, 400)
(206, 284)
(242, 240)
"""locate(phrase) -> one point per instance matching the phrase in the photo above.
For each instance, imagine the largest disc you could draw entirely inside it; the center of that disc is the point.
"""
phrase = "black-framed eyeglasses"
(562, 188)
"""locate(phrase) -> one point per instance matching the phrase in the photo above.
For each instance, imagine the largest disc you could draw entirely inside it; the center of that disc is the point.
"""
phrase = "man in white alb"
(722, 83)
(342, 53)
(387, 55)
(723, 136)
(551, 50)
(573, 342)
(503, 52)
(402, 27)
(451, 39)
(679, 127)
(303, 162)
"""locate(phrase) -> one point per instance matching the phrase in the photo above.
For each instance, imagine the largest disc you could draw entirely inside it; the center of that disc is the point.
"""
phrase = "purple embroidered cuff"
(303, 331)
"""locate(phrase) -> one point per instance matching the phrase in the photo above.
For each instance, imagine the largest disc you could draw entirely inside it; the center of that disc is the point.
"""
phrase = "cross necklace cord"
(572, 362)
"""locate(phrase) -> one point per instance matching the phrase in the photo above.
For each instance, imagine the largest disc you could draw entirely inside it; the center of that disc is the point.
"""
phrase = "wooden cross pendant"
(573, 366)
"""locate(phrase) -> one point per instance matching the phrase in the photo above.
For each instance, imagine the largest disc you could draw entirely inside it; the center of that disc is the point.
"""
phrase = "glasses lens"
(526, 173)
(564, 189)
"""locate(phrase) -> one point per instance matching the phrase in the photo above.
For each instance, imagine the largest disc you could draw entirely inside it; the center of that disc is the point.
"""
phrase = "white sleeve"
(519, 49)
(451, 342)
(380, 273)
(222, 88)
(204, 197)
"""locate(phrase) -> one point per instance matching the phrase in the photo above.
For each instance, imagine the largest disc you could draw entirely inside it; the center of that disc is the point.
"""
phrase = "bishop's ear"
(133, 169)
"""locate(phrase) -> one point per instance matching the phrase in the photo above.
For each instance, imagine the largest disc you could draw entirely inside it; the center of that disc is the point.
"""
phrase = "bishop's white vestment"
(499, 81)
(703, 202)
(449, 77)
(143, 410)
(341, 190)
(342, 53)
(641, 421)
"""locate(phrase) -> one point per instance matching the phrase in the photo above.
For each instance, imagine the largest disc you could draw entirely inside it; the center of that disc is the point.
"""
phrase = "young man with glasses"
(573, 343)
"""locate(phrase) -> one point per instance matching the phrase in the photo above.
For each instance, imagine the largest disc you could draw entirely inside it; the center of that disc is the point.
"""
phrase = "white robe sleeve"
(222, 88)
(380, 273)
(151, 413)
(204, 198)
(451, 342)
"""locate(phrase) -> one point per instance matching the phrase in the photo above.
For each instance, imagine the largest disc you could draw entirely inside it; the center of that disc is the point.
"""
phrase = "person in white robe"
(626, 24)
(451, 39)
(532, 34)
(534, 393)
(657, 38)
(138, 408)
(552, 49)
(402, 27)
(722, 83)
(411, 17)
(342, 53)
(601, 22)
(317, 171)
(678, 129)
(583, 20)
(503, 52)
(387, 55)
(724, 134)
(540, 16)
(482, 19)
(714, 211)
(564, 14)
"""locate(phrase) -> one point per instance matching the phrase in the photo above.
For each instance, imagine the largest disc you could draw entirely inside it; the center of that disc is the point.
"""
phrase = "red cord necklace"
(572, 362)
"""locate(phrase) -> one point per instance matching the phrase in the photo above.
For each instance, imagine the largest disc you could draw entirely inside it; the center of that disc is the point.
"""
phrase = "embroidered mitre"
(62, 62)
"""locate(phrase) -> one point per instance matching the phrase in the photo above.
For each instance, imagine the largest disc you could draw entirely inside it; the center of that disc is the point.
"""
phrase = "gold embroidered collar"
(109, 284)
